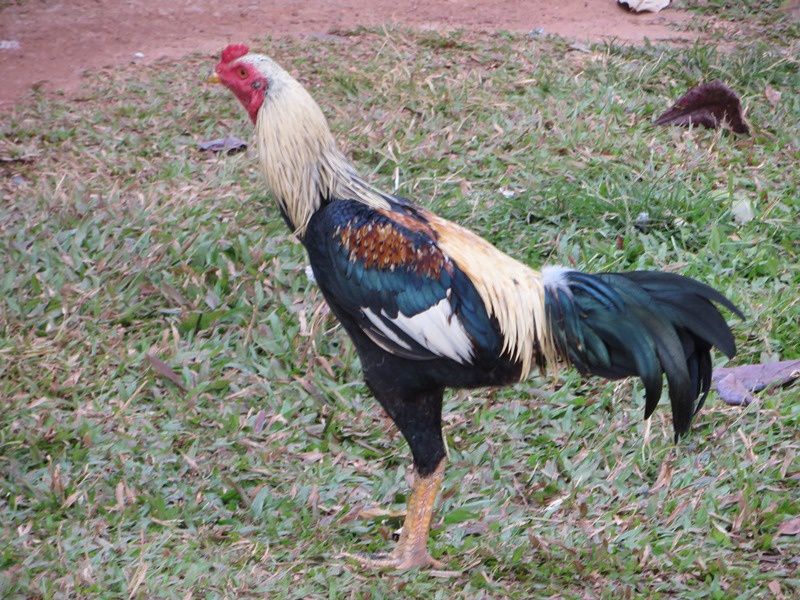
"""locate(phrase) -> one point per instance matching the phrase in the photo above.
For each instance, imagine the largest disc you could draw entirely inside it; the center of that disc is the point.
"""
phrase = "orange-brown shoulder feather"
(385, 245)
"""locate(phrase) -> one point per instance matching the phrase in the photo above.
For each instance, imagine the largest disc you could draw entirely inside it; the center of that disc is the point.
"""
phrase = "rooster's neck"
(303, 166)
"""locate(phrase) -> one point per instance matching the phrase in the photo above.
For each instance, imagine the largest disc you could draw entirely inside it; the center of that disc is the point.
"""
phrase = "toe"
(396, 561)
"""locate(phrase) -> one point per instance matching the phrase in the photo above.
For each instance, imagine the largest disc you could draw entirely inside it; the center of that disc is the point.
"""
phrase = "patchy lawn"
(250, 469)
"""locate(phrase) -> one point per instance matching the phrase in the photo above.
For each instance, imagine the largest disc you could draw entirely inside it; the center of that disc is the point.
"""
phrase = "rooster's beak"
(213, 78)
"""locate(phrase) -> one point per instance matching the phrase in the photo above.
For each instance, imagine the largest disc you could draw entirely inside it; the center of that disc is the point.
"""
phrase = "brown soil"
(60, 40)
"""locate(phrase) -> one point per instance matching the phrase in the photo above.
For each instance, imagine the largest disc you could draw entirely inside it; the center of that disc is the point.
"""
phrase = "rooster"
(430, 305)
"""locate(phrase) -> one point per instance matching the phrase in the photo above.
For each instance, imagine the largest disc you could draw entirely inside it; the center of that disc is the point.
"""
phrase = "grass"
(727, 20)
(253, 459)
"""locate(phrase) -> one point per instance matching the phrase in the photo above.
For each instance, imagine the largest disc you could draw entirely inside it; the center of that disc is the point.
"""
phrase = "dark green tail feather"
(642, 323)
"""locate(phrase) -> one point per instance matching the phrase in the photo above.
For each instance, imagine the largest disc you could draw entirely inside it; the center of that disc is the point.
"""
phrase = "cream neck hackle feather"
(299, 157)
(303, 166)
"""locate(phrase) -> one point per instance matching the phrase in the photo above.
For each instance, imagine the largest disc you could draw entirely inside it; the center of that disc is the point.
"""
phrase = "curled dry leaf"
(789, 527)
(709, 105)
(376, 512)
(772, 95)
(735, 385)
(229, 145)
(163, 369)
(261, 419)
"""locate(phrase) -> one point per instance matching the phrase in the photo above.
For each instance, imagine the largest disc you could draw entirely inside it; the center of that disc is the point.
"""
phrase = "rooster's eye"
(242, 72)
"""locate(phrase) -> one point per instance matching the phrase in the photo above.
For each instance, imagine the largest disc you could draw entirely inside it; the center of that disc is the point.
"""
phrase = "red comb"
(234, 51)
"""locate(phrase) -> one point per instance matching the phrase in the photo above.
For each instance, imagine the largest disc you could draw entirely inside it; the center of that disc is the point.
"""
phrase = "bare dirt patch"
(59, 41)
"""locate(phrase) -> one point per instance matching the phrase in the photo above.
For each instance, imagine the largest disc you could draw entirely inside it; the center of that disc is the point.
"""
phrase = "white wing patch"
(436, 329)
(376, 320)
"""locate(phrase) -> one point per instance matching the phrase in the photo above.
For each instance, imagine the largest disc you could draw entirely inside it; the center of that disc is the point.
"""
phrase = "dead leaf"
(775, 588)
(229, 145)
(475, 528)
(137, 579)
(311, 389)
(163, 369)
(736, 526)
(119, 495)
(313, 501)
(580, 47)
(376, 512)
(86, 573)
(72, 380)
(789, 527)
(735, 385)
(710, 105)
(258, 424)
(172, 294)
(71, 499)
(773, 96)
(56, 482)
(26, 158)
(313, 456)
(664, 477)
(191, 462)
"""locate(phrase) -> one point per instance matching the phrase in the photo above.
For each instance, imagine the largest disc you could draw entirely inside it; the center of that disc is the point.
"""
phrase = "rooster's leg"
(412, 547)
(418, 415)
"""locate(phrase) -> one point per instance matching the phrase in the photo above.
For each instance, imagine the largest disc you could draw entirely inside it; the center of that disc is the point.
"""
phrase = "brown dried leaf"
(775, 588)
(71, 499)
(163, 369)
(137, 579)
(258, 424)
(772, 95)
(710, 105)
(313, 456)
(736, 385)
(172, 294)
(313, 501)
(741, 515)
(229, 145)
(119, 495)
(312, 390)
(191, 462)
(789, 527)
(86, 573)
(73, 378)
(664, 476)
(376, 512)
(56, 482)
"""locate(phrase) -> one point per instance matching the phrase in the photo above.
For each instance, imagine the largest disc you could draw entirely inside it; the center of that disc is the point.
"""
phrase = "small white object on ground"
(310, 274)
(645, 5)
(9, 45)
(742, 211)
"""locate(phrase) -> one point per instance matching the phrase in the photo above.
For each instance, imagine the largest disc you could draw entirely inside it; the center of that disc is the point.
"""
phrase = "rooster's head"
(251, 77)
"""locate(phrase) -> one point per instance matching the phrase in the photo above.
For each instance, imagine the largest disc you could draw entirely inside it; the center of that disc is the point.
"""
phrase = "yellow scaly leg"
(412, 547)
